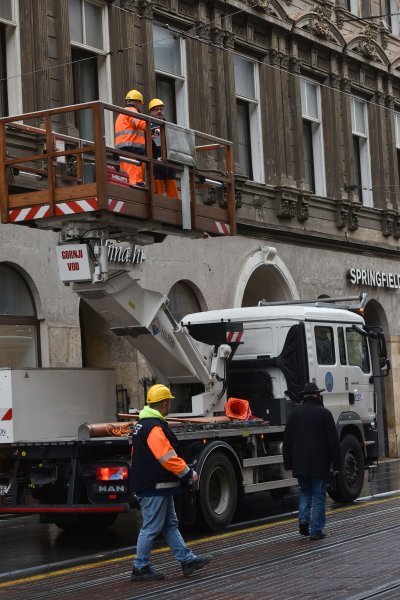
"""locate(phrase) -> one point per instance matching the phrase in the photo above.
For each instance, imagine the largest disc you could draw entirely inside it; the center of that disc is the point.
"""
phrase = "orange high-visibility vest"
(130, 132)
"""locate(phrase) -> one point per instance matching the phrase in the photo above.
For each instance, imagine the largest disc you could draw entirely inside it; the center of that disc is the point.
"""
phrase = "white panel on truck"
(51, 404)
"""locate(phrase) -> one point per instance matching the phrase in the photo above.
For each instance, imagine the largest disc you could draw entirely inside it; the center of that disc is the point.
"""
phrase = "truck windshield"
(357, 350)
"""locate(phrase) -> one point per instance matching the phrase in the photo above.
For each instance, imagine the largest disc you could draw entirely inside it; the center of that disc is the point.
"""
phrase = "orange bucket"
(236, 408)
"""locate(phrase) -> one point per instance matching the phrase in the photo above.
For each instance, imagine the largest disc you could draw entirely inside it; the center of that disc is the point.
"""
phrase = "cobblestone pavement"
(358, 560)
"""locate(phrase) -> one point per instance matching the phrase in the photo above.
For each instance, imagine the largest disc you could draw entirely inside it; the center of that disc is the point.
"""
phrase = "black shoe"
(189, 566)
(147, 573)
(318, 535)
(304, 528)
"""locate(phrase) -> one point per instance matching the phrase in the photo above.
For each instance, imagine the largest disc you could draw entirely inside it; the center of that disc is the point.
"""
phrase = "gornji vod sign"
(73, 262)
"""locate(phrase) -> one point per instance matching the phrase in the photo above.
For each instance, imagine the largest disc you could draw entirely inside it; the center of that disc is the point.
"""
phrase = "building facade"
(308, 91)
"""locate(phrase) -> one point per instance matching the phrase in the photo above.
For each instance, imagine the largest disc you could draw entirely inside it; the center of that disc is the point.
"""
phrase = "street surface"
(261, 557)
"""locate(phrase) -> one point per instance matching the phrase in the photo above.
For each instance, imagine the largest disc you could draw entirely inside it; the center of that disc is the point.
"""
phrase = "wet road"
(28, 545)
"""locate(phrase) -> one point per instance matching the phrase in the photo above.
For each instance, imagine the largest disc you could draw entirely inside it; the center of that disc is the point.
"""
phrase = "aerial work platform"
(48, 178)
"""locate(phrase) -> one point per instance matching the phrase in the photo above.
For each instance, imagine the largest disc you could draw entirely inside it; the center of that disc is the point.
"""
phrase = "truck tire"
(350, 480)
(217, 496)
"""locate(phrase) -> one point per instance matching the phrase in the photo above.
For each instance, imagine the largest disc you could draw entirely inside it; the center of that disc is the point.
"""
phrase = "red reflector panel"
(111, 473)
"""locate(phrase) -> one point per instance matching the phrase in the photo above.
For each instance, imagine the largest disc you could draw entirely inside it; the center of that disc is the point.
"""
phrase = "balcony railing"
(47, 178)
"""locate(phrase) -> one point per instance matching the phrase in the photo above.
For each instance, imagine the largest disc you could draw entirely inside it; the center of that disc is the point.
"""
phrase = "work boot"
(189, 566)
(304, 528)
(318, 535)
(147, 573)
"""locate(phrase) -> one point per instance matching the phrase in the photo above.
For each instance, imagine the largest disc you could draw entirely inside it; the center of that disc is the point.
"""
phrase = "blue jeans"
(312, 503)
(159, 516)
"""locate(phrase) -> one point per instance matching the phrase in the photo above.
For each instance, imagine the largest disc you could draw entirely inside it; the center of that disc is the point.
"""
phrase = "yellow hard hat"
(157, 393)
(134, 95)
(155, 102)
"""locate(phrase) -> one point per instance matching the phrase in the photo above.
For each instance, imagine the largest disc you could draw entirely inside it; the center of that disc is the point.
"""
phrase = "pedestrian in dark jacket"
(157, 474)
(310, 448)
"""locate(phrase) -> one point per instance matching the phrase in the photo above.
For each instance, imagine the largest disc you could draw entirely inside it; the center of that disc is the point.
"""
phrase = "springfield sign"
(74, 264)
(373, 278)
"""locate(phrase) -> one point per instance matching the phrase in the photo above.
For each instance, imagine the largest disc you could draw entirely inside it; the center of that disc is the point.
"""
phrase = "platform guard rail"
(45, 175)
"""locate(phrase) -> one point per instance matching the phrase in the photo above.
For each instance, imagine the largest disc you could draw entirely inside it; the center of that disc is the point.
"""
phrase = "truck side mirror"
(382, 351)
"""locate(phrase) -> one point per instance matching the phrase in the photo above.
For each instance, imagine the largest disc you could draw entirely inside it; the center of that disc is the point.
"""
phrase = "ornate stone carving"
(396, 226)
(130, 4)
(366, 46)
(294, 64)
(259, 200)
(334, 80)
(390, 101)
(275, 57)
(264, 5)
(380, 98)
(187, 9)
(285, 61)
(260, 39)
(340, 14)
(388, 219)
(238, 197)
(217, 36)
(342, 215)
(384, 39)
(238, 30)
(319, 25)
(203, 30)
(302, 208)
(353, 218)
(354, 75)
(345, 84)
(286, 207)
(229, 39)
(146, 7)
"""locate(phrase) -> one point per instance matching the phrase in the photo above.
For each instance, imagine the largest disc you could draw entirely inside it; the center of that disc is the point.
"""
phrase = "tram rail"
(275, 559)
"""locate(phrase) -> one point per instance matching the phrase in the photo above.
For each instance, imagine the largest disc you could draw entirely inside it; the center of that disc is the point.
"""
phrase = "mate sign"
(74, 264)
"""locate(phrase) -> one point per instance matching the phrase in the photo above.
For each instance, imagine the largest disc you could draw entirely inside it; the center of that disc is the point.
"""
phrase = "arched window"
(183, 300)
(18, 322)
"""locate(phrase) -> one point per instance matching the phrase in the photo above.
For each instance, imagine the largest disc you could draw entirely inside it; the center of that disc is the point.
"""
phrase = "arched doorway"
(19, 330)
(264, 277)
(375, 315)
(183, 300)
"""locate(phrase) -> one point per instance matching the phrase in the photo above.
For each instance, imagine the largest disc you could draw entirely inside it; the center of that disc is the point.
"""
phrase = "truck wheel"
(350, 480)
(217, 492)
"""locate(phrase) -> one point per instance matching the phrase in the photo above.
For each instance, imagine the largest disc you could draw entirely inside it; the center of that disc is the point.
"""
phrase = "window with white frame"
(391, 12)
(361, 177)
(88, 26)
(249, 134)
(397, 128)
(170, 67)
(353, 6)
(19, 326)
(10, 59)
(313, 144)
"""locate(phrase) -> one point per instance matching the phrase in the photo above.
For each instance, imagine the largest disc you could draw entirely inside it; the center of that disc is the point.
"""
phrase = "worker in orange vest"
(130, 136)
(164, 177)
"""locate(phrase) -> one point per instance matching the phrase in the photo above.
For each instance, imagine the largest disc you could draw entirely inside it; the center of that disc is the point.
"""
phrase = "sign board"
(370, 278)
(73, 262)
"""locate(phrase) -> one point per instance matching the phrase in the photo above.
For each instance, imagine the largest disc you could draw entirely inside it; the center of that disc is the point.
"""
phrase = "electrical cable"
(184, 34)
